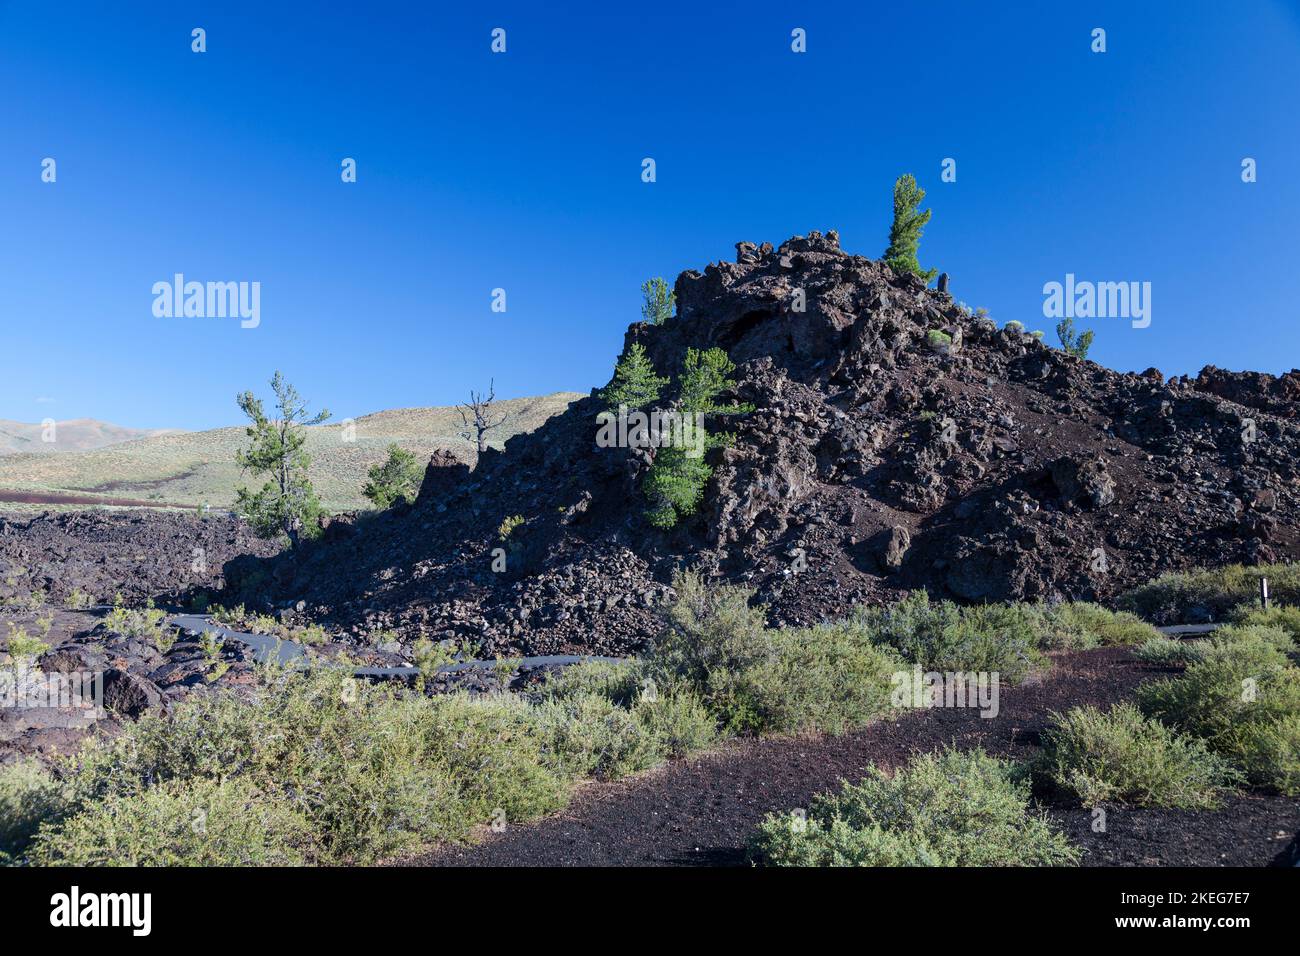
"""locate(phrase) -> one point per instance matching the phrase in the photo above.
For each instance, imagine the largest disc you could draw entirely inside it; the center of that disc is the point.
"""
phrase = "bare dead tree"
(476, 416)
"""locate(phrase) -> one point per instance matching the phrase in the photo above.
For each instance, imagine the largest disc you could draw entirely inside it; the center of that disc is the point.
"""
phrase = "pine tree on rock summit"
(905, 233)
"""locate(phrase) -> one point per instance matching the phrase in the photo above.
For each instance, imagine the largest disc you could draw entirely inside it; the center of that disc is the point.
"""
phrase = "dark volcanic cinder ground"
(701, 812)
(880, 457)
(138, 554)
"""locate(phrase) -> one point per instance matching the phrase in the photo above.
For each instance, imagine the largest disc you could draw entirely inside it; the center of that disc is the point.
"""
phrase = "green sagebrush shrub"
(1243, 700)
(29, 796)
(181, 823)
(1217, 592)
(756, 679)
(372, 772)
(942, 636)
(1170, 651)
(944, 809)
(1282, 617)
(1120, 756)
(1080, 625)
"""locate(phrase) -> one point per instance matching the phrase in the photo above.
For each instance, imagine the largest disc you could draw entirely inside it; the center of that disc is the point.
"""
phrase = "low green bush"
(1215, 697)
(493, 749)
(588, 734)
(938, 340)
(239, 618)
(21, 646)
(78, 600)
(825, 678)
(181, 823)
(1269, 754)
(1170, 651)
(946, 809)
(1168, 598)
(756, 679)
(620, 683)
(1081, 626)
(942, 636)
(146, 624)
(372, 771)
(639, 724)
(1243, 700)
(1241, 635)
(678, 721)
(1120, 756)
(311, 635)
(333, 770)
(1285, 617)
(29, 795)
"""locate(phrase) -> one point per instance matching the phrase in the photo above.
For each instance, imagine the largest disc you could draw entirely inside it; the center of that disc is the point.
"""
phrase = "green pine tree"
(677, 478)
(674, 486)
(658, 301)
(286, 504)
(905, 233)
(1074, 343)
(635, 383)
(397, 477)
(706, 375)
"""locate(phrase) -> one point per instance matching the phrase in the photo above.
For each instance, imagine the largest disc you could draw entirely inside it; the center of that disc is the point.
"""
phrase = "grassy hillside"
(190, 468)
(78, 434)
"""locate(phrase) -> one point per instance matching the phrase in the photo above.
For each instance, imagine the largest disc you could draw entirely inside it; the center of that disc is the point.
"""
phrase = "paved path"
(1188, 630)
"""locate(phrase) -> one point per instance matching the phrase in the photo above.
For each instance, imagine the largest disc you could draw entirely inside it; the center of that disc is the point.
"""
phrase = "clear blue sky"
(522, 171)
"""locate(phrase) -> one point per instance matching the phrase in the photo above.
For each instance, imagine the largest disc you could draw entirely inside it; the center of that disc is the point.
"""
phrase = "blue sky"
(522, 171)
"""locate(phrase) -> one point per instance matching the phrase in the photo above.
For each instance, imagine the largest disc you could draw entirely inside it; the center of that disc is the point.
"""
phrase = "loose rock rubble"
(90, 678)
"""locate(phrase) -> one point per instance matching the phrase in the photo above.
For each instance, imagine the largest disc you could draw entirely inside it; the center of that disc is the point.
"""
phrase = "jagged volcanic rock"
(1275, 394)
(137, 554)
(983, 467)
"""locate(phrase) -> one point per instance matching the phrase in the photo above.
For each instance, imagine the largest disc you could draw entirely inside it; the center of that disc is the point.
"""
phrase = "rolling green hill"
(191, 468)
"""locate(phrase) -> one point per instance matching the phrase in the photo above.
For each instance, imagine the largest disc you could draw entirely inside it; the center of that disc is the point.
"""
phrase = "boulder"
(130, 695)
(443, 476)
(1084, 482)
(896, 546)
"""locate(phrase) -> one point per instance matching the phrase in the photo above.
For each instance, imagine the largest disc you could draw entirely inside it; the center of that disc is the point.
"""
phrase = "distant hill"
(190, 468)
(77, 434)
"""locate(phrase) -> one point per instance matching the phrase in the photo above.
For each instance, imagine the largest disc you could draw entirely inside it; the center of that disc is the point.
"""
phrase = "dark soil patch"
(152, 484)
(1247, 830)
(701, 812)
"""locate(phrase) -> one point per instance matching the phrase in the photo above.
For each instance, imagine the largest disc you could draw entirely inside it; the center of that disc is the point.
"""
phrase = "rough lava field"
(879, 459)
(994, 468)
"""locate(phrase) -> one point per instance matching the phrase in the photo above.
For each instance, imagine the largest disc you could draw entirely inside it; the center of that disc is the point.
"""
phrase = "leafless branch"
(476, 416)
